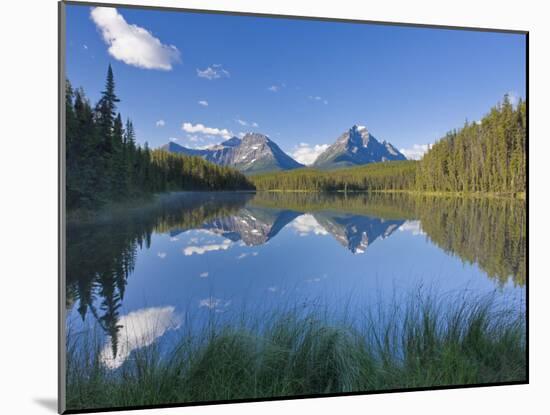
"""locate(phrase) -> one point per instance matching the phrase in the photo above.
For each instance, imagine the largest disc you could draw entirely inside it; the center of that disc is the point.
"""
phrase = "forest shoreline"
(112, 208)
(503, 195)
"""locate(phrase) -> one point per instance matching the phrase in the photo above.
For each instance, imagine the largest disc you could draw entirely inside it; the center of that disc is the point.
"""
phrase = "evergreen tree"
(105, 114)
(120, 185)
(129, 148)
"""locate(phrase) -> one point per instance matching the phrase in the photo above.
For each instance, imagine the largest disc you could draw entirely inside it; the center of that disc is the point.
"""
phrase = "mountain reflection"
(356, 232)
(101, 254)
(254, 226)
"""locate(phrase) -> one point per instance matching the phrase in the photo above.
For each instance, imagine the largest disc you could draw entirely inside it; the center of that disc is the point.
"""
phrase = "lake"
(146, 274)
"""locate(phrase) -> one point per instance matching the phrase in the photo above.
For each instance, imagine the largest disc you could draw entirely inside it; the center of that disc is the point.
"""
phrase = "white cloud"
(174, 239)
(306, 224)
(161, 255)
(276, 87)
(306, 154)
(203, 103)
(160, 123)
(173, 139)
(215, 71)
(85, 46)
(203, 129)
(132, 44)
(243, 255)
(210, 302)
(139, 329)
(214, 303)
(199, 250)
(203, 274)
(246, 123)
(416, 152)
(195, 138)
(319, 99)
(412, 226)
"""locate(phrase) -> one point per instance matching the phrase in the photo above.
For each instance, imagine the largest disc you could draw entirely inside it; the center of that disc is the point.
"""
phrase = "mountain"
(254, 153)
(176, 148)
(357, 147)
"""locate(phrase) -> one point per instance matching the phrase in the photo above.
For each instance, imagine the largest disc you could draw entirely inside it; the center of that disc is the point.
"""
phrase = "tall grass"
(424, 342)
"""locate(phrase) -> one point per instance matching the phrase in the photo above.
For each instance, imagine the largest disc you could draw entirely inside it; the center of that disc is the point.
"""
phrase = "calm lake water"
(141, 275)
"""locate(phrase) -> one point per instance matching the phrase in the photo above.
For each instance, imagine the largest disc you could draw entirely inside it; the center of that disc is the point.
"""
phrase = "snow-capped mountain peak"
(357, 146)
(254, 152)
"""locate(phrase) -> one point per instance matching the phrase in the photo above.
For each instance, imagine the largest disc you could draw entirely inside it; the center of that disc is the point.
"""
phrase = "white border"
(28, 30)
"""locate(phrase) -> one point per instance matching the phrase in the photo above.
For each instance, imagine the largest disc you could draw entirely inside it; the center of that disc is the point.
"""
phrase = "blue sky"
(199, 78)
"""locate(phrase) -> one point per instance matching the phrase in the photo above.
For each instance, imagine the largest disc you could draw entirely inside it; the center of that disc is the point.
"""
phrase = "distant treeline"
(375, 176)
(105, 164)
(485, 156)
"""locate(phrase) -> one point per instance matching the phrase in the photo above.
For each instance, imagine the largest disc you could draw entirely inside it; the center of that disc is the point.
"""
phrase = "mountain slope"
(257, 153)
(357, 147)
(176, 148)
(254, 153)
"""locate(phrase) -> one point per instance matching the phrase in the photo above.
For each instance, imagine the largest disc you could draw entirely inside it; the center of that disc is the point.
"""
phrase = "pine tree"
(120, 177)
(82, 175)
(105, 114)
(129, 147)
(106, 109)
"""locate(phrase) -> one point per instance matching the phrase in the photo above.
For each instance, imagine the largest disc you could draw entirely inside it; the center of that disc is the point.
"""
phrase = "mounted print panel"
(261, 207)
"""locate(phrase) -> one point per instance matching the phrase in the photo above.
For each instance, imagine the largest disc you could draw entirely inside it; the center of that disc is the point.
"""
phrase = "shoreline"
(518, 196)
(112, 208)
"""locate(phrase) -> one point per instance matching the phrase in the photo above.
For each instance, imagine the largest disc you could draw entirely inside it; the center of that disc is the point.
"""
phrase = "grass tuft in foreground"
(419, 344)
